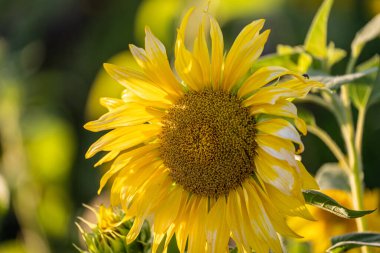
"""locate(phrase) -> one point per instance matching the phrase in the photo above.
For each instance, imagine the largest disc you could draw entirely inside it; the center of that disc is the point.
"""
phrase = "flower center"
(208, 142)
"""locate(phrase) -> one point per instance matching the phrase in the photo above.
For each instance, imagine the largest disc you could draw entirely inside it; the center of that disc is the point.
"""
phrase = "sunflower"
(208, 154)
(329, 225)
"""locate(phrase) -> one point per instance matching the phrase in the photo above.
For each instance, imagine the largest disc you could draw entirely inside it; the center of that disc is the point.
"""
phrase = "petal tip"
(87, 126)
(109, 67)
(148, 31)
(89, 154)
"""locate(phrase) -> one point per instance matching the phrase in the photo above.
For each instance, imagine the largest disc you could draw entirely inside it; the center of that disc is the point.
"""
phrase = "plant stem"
(330, 143)
(354, 155)
(318, 101)
(360, 129)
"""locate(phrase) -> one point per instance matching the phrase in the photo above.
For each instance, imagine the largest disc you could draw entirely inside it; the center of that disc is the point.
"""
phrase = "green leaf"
(326, 203)
(360, 94)
(306, 115)
(370, 31)
(332, 176)
(334, 82)
(366, 91)
(375, 95)
(316, 38)
(292, 58)
(286, 61)
(304, 62)
(334, 55)
(345, 242)
(286, 49)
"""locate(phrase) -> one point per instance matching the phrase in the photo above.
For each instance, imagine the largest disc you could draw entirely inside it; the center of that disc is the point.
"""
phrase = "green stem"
(354, 155)
(318, 101)
(330, 143)
(359, 130)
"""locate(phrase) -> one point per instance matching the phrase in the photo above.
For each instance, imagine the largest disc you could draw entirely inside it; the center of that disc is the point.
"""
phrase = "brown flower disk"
(208, 142)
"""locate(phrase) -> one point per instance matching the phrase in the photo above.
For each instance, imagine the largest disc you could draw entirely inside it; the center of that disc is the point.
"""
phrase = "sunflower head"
(208, 151)
(206, 154)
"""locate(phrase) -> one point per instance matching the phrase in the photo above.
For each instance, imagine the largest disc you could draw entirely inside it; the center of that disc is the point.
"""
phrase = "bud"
(109, 234)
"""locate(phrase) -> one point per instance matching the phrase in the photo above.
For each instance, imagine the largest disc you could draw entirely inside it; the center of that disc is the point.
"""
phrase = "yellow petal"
(244, 38)
(260, 78)
(265, 236)
(123, 138)
(138, 83)
(167, 210)
(135, 229)
(217, 59)
(282, 108)
(169, 236)
(308, 181)
(146, 152)
(184, 223)
(276, 172)
(157, 238)
(291, 205)
(130, 97)
(282, 129)
(126, 115)
(157, 65)
(197, 236)
(275, 143)
(270, 95)
(187, 65)
(201, 54)
(130, 181)
(300, 85)
(300, 125)
(111, 103)
(244, 51)
(277, 218)
(149, 194)
(302, 227)
(217, 231)
(108, 157)
(138, 181)
(236, 222)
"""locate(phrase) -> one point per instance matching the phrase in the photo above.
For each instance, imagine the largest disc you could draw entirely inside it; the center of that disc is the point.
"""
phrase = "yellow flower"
(328, 225)
(207, 155)
(108, 235)
(108, 219)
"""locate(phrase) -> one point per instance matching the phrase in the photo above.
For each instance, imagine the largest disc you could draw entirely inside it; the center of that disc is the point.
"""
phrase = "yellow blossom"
(206, 153)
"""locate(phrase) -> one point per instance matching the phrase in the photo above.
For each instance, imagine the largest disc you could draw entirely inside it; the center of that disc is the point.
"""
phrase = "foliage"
(345, 242)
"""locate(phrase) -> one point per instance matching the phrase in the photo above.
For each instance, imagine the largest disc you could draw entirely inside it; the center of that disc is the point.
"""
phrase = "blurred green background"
(51, 55)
